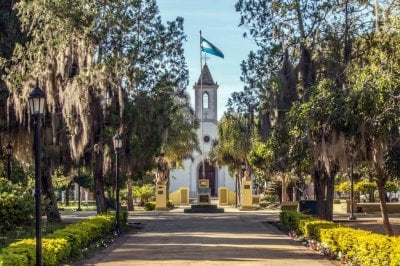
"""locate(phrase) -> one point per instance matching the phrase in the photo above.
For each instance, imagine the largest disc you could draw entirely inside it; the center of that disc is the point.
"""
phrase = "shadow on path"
(206, 239)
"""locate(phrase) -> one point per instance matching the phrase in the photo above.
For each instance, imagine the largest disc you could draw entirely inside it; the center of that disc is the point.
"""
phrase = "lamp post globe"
(9, 152)
(37, 99)
(117, 141)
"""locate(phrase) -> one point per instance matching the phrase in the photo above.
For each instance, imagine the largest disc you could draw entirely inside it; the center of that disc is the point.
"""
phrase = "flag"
(208, 47)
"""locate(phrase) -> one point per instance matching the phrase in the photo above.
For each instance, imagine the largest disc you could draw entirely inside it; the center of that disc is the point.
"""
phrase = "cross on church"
(206, 57)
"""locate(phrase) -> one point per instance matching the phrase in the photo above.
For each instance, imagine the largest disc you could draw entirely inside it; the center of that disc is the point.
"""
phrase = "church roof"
(207, 78)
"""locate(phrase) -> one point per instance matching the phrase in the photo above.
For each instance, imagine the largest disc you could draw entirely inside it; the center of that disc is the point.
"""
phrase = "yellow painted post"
(247, 195)
(223, 196)
(161, 198)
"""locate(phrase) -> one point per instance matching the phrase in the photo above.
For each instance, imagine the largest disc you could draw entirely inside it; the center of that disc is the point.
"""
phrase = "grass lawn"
(73, 206)
(21, 232)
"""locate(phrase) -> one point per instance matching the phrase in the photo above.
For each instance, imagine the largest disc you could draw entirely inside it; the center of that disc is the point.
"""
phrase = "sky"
(218, 21)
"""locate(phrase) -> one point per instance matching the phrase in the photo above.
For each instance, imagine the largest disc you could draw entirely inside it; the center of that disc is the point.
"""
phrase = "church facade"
(206, 99)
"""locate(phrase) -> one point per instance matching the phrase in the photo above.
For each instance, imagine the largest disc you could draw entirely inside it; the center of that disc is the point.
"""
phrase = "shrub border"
(65, 243)
(361, 247)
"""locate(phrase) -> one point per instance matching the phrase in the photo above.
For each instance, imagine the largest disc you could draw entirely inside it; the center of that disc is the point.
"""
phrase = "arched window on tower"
(205, 100)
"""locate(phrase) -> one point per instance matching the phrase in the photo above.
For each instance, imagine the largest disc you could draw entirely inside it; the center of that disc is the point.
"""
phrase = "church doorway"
(210, 174)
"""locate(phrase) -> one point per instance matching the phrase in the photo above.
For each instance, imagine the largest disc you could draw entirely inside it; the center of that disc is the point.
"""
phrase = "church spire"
(207, 78)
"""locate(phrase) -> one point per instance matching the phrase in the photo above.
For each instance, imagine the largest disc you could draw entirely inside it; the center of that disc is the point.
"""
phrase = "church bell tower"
(206, 97)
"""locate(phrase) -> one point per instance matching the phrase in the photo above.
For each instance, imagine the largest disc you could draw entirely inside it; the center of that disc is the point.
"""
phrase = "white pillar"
(76, 191)
(86, 196)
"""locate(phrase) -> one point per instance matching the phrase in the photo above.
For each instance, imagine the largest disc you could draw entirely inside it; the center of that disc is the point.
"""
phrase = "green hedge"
(363, 247)
(359, 246)
(63, 243)
(312, 228)
(150, 206)
(293, 221)
(24, 252)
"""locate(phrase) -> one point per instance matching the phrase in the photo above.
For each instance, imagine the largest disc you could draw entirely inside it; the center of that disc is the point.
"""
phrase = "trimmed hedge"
(312, 228)
(150, 206)
(63, 243)
(359, 246)
(24, 252)
(293, 221)
(363, 247)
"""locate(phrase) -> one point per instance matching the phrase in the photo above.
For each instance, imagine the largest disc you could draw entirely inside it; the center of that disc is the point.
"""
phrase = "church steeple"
(206, 96)
(207, 78)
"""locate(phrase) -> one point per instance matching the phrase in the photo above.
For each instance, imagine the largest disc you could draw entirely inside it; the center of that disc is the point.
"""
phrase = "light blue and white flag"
(208, 47)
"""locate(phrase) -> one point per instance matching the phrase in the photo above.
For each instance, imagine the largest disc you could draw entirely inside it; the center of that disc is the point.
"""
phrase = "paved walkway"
(230, 238)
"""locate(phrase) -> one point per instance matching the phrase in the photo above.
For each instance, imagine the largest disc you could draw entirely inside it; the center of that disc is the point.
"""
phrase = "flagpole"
(201, 110)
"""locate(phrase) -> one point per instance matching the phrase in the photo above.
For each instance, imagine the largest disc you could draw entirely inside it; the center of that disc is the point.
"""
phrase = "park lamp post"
(351, 217)
(117, 140)
(79, 189)
(9, 152)
(37, 103)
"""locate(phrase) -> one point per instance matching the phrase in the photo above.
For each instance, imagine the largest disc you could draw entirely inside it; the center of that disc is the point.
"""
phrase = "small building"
(206, 99)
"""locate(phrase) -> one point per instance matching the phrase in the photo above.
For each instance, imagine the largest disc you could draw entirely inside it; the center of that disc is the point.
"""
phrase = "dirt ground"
(371, 222)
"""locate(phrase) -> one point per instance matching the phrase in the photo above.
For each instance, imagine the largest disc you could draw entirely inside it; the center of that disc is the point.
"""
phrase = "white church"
(206, 98)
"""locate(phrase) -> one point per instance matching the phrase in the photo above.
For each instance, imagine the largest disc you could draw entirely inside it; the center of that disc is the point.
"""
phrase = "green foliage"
(150, 206)
(57, 247)
(95, 228)
(342, 187)
(16, 205)
(84, 180)
(392, 162)
(290, 220)
(170, 204)
(311, 228)
(233, 144)
(364, 186)
(18, 173)
(23, 253)
(13, 259)
(391, 186)
(142, 70)
(144, 192)
(61, 180)
(360, 246)
(182, 136)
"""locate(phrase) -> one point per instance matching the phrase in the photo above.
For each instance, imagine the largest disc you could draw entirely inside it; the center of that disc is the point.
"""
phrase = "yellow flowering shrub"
(60, 245)
(362, 247)
(311, 228)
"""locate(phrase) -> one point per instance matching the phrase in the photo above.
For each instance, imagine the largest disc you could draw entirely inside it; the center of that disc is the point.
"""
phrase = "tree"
(86, 54)
(320, 40)
(376, 82)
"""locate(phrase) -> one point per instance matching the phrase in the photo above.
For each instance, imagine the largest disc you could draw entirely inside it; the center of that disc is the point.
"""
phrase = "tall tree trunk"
(319, 188)
(99, 181)
(130, 195)
(330, 190)
(380, 182)
(51, 208)
(284, 188)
